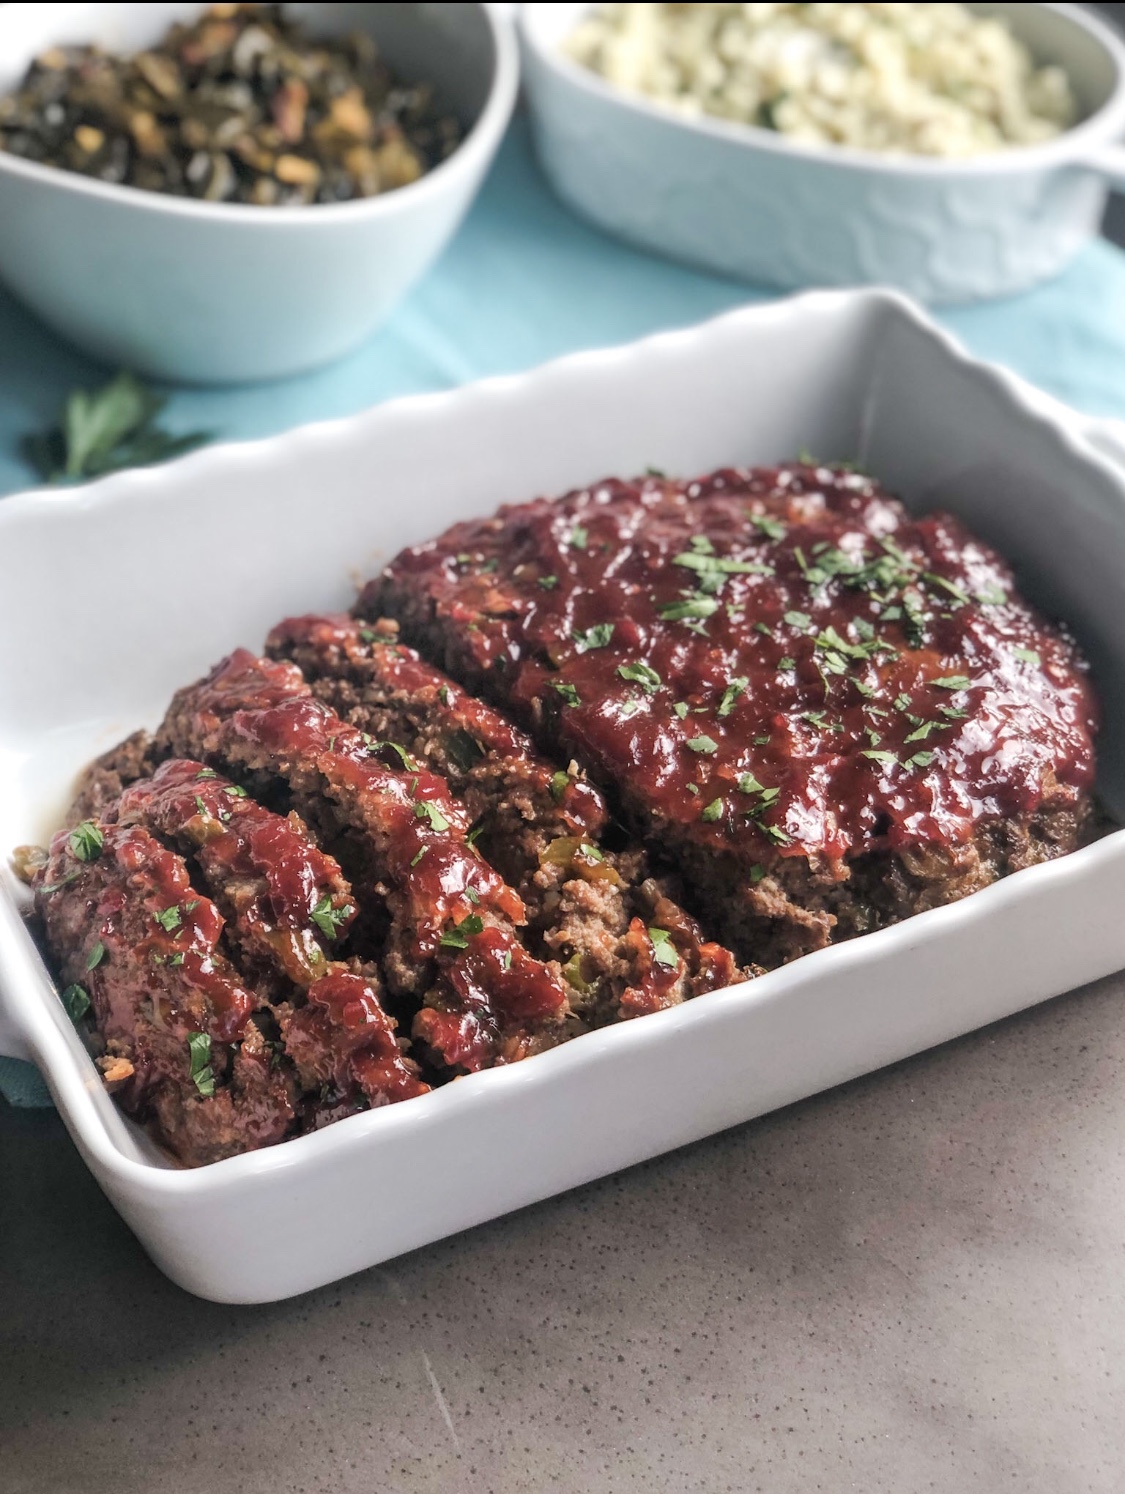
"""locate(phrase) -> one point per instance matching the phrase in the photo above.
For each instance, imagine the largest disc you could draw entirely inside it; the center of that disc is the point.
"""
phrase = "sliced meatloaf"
(827, 713)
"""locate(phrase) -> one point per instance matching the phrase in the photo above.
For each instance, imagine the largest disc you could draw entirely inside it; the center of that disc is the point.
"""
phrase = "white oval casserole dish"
(114, 594)
(762, 207)
(227, 292)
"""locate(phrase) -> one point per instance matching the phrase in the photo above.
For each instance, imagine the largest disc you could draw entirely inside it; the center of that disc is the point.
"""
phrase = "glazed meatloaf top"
(778, 666)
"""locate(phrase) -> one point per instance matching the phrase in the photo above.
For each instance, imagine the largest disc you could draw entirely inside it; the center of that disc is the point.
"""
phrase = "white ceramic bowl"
(223, 292)
(857, 374)
(754, 204)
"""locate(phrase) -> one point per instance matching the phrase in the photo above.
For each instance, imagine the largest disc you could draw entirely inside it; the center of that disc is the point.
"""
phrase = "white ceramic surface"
(114, 594)
(226, 292)
(754, 204)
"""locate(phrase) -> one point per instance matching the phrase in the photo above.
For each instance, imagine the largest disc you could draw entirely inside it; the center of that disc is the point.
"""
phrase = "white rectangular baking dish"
(113, 594)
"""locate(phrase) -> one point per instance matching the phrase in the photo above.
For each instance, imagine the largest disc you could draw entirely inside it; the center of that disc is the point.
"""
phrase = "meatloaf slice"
(131, 935)
(453, 920)
(624, 945)
(827, 713)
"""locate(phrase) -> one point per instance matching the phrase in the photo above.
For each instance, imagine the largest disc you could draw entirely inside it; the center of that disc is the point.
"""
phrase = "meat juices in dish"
(337, 875)
(828, 714)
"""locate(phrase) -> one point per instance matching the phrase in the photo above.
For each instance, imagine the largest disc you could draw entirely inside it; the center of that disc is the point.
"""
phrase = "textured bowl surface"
(114, 594)
(774, 211)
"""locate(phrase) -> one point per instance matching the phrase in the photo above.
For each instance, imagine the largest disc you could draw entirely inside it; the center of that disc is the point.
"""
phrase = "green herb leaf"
(424, 810)
(748, 784)
(50, 887)
(199, 1052)
(414, 860)
(596, 637)
(398, 751)
(206, 773)
(96, 956)
(86, 841)
(681, 708)
(920, 733)
(920, 760)
(704, 744)
(787, 663)
(953, 682)
(663, 950)
(690, 607)
(641, 674)
(560, 782)
(1028, 655)
(878, 756)
(568, 692)
(107, 430)
(776, 834)
(738, 686)
(713, 811)
(169, 919)
(958, 593)
(773, 529)
(548, 583)
(578, 538)
(458, 936)
(694, 560)
(992, 596)
(235, 790)
(76, 1001)
(800, 620)
(330, 920)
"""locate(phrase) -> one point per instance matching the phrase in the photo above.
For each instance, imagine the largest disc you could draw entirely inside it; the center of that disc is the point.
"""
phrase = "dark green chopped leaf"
(590, 852)
(568, 692)
(830, 639)
(459, 935)
(414, 860)
(548, 583)
(206, 773)
(86, 841)
(693, 788)
(474, 835)
(694, 560)
(920, 760)
(50, 887)
(776, 834)
(1028, 655)
(203, 1075)
(757, 872)
(490, 565)
(865, 629)
(96, 956)
(76, 1001)
(952, 712)
(641, 674)
(787, 663)
(800, 620)
(681, 708)
(201, 808)
(701, 544)
(578, 538)
(958, 593)
(235, 791)
(773, 529)
(473, 895)
(596, 637)
(396, 749)
(748, 784)
(444, 695)
(764, 629)
(713, 811)
(506, 959)
(920, 733)
(464, 750)
(738, 686)
(106, 431)
(424, 810)
(863, 689)
(177, 958)
(691, 607)
(663, 950)
(879, 757)
(169, 919)
(463, 558)
(953, 682)
(892, 614)
(330, 920)
(560, 782)
(704, 744)
(762, 740)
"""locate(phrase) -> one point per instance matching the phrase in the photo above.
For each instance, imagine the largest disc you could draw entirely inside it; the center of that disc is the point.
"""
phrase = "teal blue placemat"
(525, 281)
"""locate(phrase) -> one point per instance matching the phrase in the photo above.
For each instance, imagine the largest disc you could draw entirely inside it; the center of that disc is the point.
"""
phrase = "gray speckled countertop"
(913, 1283)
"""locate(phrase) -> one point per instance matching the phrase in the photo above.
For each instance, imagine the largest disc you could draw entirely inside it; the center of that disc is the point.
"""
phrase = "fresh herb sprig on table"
(106, 431)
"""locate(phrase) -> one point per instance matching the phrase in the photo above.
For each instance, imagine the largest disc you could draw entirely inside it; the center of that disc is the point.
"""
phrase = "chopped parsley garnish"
(863, 689)
(721, 565)
(76, 1001)
(54, 886)
(560, 782)
(878, 756)
(992, 596)
(800, 620)
(681, 708)
(424, 810)
(473, 895)
(464, 750)
(663, 950)
(865, 629)
(206, 773)
(235, 791)
(787, 663)
(590, 852)
(920, 733)
(703, 744)
(953, 682)
(203, 1075)
(1028, 655)
(713, 811)
(773, 529)
(548, 583)
(329, 920)
(474, 835)
(596, 637)
(757, 872)
(458, 936)
(691, 607)
(414, 860)
(96, 956)
(776, 834)
(169, 919)
(86, 841)
(952, 712)
(444, 695)
(737, 687)
(641, 674)
(201, 808)
(748, 784)
(569, 694)
(956, 592)
(920, 760)
(400, 752)
(578, 538)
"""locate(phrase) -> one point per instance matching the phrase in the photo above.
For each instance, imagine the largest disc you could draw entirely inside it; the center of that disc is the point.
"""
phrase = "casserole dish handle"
(12, 1044)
